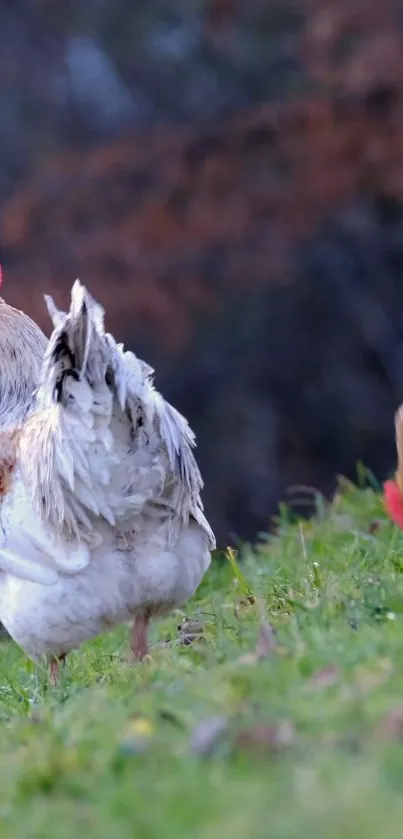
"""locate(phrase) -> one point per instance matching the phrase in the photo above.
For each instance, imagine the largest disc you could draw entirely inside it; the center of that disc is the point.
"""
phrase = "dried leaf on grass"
(364, 678)
(324, 678)
(248, 600)
(255, 739)
(189, 632)
(374, 527)
(207, 735)
(367, 679)
(266, 738)
(266, 642)
(390, 726)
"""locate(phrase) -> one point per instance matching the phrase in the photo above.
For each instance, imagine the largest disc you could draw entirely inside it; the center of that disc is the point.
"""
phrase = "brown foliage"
(176, 220)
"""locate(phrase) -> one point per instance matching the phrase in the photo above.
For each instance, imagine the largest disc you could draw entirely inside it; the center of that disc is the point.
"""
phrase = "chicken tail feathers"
(103, 444)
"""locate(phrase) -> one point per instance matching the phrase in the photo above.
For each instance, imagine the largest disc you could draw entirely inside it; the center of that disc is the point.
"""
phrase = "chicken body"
(22, 350)
(120, 582)
(101, 519)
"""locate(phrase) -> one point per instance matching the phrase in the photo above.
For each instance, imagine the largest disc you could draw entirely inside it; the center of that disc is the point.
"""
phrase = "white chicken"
(100, 509)
(22, 348)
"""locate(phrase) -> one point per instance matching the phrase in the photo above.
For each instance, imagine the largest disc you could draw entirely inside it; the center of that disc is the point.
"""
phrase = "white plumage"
(101, 517)
(22, 347)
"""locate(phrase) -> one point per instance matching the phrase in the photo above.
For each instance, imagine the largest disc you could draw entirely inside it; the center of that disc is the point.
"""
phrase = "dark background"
(227, 178)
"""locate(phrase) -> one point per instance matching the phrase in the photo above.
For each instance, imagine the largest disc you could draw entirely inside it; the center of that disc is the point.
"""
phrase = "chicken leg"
(140, 635)
(54, 669)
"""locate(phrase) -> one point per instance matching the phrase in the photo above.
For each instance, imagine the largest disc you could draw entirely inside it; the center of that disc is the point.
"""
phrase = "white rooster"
(100, 510)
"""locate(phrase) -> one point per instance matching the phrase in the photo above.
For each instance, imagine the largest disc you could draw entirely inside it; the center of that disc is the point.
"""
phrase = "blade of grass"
(239, 576)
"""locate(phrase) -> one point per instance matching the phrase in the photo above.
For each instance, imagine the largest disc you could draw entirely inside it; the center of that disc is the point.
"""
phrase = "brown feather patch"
(8, 458)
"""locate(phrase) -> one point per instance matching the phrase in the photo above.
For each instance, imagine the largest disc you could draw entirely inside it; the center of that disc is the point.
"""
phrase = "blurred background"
(227, 178)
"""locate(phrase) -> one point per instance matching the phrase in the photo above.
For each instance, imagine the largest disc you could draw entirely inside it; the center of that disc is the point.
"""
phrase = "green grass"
(311, 741)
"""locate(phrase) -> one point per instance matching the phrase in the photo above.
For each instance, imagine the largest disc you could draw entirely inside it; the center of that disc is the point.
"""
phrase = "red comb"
(393, 502)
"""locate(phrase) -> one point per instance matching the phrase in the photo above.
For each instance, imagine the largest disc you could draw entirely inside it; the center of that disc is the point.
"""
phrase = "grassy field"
(282, 718)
